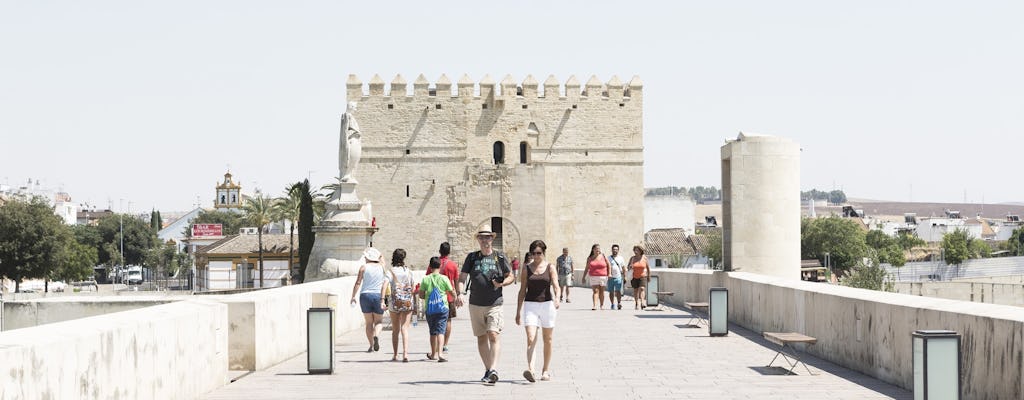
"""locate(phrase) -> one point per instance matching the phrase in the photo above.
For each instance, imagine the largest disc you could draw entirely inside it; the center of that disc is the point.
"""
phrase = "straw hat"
(486, 231)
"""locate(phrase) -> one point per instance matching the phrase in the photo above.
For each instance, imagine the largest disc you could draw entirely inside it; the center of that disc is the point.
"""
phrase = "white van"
(134, 275)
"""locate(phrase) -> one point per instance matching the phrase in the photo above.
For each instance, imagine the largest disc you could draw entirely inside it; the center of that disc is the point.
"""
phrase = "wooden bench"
(787, 339)
(693, 315)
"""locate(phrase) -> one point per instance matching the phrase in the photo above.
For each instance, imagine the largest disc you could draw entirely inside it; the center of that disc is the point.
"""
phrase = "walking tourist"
(435, 288)
(616, 274)
(515, 269)
(564, 267)
(488, 271)
(597, 270)
(401, 303)
(641, 274)
(450, 269)
(370, 283)
(537, 307)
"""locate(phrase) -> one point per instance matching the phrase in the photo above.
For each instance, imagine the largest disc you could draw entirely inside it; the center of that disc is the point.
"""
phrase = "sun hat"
(372, 254)
(486, 231)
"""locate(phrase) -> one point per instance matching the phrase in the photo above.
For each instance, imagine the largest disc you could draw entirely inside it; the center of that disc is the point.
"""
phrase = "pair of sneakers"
(490, 376)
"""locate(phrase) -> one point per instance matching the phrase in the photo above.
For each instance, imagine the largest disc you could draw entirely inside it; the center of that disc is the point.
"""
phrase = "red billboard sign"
(206, 230)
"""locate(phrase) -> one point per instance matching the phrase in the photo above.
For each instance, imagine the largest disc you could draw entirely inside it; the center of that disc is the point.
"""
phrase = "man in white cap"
(489, 271)
(369, 286)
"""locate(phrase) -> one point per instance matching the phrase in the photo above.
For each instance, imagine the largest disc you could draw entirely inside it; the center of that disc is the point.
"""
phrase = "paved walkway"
(605, 354)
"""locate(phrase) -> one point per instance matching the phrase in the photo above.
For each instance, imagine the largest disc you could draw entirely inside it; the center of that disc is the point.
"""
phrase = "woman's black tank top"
(538, 286)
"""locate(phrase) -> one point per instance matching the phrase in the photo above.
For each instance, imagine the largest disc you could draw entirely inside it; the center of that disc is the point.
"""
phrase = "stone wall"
(25, 314)
(428, 162)
(869, 331)
(995, 293)
(170, 351)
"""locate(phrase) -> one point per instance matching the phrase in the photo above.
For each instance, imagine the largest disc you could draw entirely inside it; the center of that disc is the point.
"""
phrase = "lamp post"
(936, 364)
(718, 311)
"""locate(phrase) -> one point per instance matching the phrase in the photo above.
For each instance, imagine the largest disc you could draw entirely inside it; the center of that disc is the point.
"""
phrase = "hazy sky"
(150, 102)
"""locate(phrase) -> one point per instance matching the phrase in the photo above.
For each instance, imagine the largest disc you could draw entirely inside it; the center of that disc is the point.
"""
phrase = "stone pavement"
(604, 354)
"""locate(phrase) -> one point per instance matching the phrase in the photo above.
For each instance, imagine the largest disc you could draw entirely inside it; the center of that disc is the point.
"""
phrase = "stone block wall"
(428, 162)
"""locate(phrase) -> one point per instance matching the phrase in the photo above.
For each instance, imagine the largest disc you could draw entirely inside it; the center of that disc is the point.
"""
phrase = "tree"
(713, 251)
(869, 275)
(1015, 244)
(76, 262)
(31, 239)
(259, 211)
(306, 236)
(154, 224)
(955, 247)
(909, 240)
(979, 249)
(139, 238)
(841, 238)
(288, 208)
(887, 248)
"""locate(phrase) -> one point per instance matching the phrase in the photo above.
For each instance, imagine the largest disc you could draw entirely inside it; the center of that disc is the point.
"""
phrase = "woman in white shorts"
(537, 307)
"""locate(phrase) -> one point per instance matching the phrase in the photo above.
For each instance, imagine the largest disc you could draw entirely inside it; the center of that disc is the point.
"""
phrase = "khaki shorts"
(486, 318)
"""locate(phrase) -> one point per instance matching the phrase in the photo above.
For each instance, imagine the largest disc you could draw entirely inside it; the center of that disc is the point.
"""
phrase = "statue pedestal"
(341, 236)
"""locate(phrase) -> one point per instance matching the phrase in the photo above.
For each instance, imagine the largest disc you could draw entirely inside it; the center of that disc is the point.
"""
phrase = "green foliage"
(1016, 242)
(230, 221)
(909, 241)
(75, 263)
(955, 247)
(887, 248)
(139, 237)
(869, 275)
(32, 239)
(979, 249)
(841, 238)
(834, 197)
(306, 236)
(288, 208)
(259, 211)
(714, 249)
(699, 194)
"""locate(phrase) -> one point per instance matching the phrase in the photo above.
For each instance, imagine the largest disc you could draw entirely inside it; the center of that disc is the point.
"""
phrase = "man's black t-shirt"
(482, 270)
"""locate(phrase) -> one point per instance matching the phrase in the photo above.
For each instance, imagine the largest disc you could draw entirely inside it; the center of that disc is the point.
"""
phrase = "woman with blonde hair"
(401, 303)
(597, 269)
(641, 274)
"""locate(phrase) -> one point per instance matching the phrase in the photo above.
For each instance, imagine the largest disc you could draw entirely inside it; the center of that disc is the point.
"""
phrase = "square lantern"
(936, 365)
(652, 291)
(320, 340)
(718, 311)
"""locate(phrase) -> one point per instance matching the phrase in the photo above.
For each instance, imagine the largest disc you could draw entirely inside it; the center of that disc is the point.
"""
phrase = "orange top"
(639, 268)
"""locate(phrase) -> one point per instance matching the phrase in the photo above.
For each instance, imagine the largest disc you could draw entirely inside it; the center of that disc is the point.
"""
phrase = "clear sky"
(151, 101)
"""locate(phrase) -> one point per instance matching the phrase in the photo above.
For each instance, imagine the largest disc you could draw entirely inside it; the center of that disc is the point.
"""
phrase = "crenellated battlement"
(508, 88)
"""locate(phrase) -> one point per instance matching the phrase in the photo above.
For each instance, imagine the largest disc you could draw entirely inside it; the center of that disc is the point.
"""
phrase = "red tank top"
(598, 267)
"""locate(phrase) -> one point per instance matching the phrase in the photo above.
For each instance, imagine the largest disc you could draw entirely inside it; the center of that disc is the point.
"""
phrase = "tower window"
(499, 152)
(406, 151)
(498, 236)
(524, 152)
(524, 106)
(406, 190)
(437, 106)
(391, 106)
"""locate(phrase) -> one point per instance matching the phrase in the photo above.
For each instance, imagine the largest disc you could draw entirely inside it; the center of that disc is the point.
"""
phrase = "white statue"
(350, 146)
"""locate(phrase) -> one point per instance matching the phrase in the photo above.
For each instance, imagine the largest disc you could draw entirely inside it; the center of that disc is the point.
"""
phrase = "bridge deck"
(604, 354)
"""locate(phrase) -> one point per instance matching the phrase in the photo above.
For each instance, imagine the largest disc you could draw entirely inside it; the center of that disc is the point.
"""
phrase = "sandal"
(529, 376)
(546, 376)
(405, 359)
(430, 357)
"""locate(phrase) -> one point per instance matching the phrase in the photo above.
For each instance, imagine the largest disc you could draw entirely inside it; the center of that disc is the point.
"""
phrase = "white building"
(665, 212)
(233, 262)
(933, 229)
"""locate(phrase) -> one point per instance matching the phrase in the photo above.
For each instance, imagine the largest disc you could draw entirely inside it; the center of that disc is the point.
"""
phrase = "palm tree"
(259, 211)
(287, 209)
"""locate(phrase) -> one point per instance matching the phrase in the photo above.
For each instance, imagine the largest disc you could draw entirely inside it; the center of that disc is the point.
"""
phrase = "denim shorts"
(614, 284)
(437, 323)
(370, 303)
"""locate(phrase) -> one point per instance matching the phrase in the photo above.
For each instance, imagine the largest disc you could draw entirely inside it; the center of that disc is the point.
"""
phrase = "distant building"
(229, 194)
(233, 262)
(671, 248)
(663, 212)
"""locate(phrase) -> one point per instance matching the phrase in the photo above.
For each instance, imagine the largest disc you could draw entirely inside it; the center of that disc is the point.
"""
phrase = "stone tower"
(761, 205)
(559, 163)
